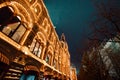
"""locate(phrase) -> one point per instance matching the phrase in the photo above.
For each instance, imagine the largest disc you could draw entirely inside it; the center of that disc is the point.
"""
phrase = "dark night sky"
(72, 17)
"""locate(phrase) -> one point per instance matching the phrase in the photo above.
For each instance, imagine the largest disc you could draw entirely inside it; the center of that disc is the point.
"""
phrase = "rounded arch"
(22, 12)
(12, 8)
(42, 37)
(19, 10)
(50, 49)
(4, 4)
(43, 32)
(30, 66)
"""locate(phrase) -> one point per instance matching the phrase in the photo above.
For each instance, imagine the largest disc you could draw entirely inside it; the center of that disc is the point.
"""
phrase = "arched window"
(47, 58)
(55, 63)
(11, 25)
(36, 47)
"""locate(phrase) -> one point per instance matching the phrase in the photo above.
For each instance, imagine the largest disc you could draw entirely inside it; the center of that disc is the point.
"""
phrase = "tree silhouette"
(106, 23)
(105, 28)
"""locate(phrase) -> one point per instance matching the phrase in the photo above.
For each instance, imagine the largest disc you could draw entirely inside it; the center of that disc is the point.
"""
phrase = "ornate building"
(29, 45)
(73, 73)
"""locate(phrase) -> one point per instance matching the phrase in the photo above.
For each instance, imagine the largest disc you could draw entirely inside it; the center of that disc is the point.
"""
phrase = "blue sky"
(72, 17)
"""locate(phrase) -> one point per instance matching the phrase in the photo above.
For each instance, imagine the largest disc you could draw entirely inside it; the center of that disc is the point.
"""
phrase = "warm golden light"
(39, 42)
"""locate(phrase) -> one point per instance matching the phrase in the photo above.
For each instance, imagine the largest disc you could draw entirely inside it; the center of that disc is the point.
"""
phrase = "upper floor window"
(55, 64)
(10, 25)
(36, 47)
(59, 66)
(47, 58)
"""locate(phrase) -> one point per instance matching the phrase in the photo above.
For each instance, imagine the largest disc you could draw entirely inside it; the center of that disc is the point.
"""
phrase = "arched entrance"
(30, 72)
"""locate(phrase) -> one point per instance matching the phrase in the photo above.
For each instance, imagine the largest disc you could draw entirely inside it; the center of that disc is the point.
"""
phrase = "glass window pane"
(8, 30)
(54, 63)
(19, 33)
(47, 59)
(36, 48)
(32, 45)
(39, 51)
(27, 77)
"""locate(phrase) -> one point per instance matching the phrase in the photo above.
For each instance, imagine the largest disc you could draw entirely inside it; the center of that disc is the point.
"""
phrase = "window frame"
(49, 57)
(21, 24)
(55, 63)
(11, 24)
(12, 34)
(39, 47)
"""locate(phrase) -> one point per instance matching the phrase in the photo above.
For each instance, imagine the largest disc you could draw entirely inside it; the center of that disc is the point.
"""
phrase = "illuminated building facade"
(73, 74)
(29, 44)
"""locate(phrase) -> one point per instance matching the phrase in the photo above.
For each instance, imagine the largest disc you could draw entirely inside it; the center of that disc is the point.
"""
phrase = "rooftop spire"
(63, 37)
